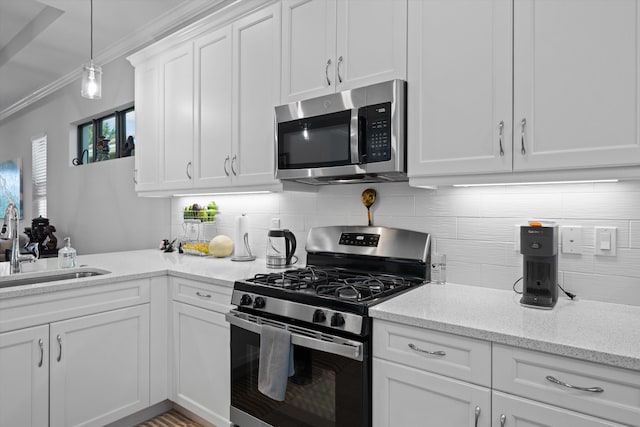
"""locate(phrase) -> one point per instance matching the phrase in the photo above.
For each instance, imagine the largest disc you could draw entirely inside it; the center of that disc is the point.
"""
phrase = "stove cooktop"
(336, 283)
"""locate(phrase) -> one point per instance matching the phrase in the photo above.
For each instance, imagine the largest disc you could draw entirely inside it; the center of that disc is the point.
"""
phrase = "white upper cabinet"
(177, 117)
(256, 89)
(308, 48)
(205, 100)
(459, 79)
(213, 101)
(576, 83)
(147, 90)
(331, 45)
(573, 112)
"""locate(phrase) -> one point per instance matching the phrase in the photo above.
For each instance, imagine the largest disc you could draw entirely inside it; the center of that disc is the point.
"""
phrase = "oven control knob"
(337, 319)
(319, 316)
(259, 302)
(246, 299)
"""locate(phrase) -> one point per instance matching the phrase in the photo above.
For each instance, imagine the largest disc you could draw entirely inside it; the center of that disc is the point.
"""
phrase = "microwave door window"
(315, 142)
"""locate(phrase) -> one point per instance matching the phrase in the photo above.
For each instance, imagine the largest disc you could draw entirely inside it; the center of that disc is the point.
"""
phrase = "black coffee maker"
(539, 246)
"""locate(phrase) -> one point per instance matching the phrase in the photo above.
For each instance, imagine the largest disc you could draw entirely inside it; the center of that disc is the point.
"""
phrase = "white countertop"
(134, 265)
(589, 330)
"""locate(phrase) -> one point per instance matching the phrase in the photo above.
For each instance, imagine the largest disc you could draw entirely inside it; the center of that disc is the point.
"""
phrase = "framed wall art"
(11, 184)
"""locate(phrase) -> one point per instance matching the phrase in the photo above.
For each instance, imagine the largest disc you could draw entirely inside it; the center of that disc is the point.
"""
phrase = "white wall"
(93, 204)
(473, 226)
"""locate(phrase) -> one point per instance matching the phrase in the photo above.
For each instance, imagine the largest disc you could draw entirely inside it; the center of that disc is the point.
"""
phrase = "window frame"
(96, 123)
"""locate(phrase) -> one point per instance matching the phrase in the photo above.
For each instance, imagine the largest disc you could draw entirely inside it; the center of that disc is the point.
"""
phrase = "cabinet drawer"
(466, 359)
(524, 373)
(205, 295)
(21, 312)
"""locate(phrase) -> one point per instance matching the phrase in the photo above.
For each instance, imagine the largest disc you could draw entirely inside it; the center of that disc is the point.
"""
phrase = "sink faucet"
(10, 232)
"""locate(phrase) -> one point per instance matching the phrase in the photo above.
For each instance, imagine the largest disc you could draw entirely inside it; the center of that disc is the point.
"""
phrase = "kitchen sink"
(22, 279)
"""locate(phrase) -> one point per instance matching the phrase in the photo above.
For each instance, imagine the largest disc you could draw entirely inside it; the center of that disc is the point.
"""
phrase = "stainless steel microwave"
(353, 136)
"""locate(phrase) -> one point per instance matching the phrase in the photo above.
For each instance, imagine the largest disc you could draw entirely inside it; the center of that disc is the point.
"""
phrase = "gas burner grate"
(336, 283)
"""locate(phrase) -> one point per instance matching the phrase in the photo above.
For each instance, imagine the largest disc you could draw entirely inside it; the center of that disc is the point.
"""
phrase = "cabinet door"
(576, 83)
(24, 377)
(148, 142)
(308, 48)
(409, 397)
(201, 362)
(213, 63)
(99, 367)
(371, 42)
(511, 411)
(459, 76)
(177, 117)
(256, 91)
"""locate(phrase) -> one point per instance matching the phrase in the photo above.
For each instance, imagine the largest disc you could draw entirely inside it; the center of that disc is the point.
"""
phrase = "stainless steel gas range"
(324, 307)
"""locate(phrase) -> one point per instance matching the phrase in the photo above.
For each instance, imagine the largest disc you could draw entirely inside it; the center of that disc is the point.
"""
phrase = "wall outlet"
(606, 241)
(516, 238)
(571, 238)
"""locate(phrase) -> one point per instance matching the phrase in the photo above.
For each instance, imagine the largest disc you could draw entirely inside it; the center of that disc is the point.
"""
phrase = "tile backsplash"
(475, 227)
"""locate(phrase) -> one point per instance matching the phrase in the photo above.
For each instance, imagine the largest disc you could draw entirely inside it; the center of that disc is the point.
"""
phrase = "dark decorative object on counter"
(167, 246)
(41, 234)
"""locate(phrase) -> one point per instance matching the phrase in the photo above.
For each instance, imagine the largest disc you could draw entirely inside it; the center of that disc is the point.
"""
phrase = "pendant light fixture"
(91, 73)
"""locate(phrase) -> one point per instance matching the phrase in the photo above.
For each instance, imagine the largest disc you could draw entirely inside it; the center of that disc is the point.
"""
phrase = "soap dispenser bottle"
(67, 255)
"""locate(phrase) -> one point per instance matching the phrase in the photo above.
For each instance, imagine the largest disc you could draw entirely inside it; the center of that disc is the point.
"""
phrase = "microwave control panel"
(377, 131)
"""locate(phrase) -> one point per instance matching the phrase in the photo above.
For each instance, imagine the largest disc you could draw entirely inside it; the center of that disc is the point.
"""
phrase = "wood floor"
(170, 419)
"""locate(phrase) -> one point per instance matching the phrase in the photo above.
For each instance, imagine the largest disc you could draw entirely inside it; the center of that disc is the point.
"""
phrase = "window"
(39, 176)
(106, 138)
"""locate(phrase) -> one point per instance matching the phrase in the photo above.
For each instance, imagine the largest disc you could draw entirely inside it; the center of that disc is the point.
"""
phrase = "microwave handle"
(362, 138)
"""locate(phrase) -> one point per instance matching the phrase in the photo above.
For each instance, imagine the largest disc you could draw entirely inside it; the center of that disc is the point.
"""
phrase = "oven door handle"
(300, 336)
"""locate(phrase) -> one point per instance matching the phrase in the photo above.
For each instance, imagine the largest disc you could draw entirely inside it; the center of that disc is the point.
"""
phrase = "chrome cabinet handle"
(477, 413)
(326, 71)
(503, 420)
(189, 170)
(59, 338)
(135, 173)
(234, 160)
(523, 123)
(500, 134)
(226, 162)
(41, 344)
(435, 353)
(562, 383)
(339, 76)
(203, 295)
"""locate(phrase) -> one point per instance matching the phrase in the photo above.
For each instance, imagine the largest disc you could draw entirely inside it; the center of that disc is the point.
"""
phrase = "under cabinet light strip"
(535, 183)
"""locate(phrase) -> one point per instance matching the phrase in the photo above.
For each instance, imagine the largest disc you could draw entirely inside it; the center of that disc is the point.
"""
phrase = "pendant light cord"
(91, 29)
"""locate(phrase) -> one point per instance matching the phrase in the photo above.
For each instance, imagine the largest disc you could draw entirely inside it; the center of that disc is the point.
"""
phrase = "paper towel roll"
(241, 229)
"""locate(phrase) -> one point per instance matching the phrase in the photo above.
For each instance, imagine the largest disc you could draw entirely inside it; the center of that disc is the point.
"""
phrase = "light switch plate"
(606, 241)
(571, 239)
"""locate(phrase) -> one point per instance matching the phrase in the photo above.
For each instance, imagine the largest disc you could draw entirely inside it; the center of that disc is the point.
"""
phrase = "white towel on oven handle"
(276, 362)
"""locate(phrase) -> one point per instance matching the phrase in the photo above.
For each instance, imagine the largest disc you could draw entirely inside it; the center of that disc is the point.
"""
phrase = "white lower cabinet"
(428, 378)
(77, 357)
(407, 397)
(599, 394)
(423, 377)
(99, 367)
(201, 340)
(512, 411)
(24, 377)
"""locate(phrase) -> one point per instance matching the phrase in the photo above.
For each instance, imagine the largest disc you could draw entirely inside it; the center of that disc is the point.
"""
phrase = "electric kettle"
(281, 246)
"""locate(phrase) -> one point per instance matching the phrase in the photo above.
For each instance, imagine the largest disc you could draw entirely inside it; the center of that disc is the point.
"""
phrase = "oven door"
(330, 387)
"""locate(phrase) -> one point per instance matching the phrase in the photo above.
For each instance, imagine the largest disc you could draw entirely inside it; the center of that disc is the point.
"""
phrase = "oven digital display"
(359, 239)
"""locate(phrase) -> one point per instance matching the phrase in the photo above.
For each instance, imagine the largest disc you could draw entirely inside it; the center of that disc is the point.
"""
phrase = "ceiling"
(43, 43)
